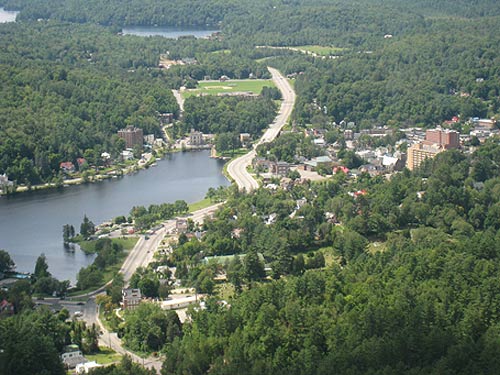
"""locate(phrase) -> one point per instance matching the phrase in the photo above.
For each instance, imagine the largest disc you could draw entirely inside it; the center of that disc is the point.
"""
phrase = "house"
(131, 298)
(486, 123)
(223, 78)
(181, 226)
(341, 168)
(319, 161)
(84, 368)
(127, 155)
(4, 180)
(245, 138)
(80, 162)
(67, 167)
(6, 308)
(73, 358)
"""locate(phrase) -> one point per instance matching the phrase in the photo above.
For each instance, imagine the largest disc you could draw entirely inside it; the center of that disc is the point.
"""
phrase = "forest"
(364, 276)
(65, 98)
(423, 299)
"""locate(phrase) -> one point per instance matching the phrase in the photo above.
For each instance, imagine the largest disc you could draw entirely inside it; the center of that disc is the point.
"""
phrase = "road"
(140, 256)
(237, 168)
(142, 253)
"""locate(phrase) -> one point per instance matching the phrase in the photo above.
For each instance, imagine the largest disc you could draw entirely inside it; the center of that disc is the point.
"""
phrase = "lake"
(167, 32)
(7, 15)
(31, 223)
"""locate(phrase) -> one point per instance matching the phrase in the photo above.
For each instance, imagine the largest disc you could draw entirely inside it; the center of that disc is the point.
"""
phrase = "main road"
(237, 168)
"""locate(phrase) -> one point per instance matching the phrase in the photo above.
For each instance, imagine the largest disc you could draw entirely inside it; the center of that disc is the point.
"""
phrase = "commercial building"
(436, 141)
(417, 153)
(446, 138)
(131, 298)
(132, 136)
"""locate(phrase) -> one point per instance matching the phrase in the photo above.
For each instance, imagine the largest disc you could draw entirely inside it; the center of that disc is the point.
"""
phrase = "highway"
(237, 168)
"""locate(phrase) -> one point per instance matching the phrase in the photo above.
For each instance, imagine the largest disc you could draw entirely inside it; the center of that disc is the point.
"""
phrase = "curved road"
(237, 168)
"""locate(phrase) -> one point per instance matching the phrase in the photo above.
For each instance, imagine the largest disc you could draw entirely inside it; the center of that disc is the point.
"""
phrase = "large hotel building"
(436, 141)
(132, 136)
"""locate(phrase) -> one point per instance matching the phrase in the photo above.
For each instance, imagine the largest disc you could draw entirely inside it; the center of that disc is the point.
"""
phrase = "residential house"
(181, 226)
(84, 368)
(80, 162)
(127, 155)
(318, 161)
(6, 308)
(73, 358)
(67, 167)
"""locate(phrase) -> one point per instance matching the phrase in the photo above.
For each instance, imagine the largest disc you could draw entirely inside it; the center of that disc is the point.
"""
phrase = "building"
(195, 138)
(318, 162)
(73, 358)
(417, 153)
(132, 136)
(127, 155)
(166, 118)
(84, 368)
(181, 226)
(67, 167)
(279, 168)
(486, 123)
(131, 298)
(445, 138)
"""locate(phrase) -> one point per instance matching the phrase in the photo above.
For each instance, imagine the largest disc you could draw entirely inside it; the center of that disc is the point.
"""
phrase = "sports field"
(244, 86)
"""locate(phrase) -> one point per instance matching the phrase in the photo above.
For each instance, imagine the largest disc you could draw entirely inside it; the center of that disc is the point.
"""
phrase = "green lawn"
(321, 50)
(213, 88)
(128, 243)
(204, 203)
(105, 356)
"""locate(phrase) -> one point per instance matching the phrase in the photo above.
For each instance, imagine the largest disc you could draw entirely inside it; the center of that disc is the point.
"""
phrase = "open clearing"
(249, 86)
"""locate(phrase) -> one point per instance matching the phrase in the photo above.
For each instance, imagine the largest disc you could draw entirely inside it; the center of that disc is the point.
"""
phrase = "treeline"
(59, 104)
(424, 78)
(145, 218)
(210, 114)
(411, 289)
(425, 305)
(263, 21)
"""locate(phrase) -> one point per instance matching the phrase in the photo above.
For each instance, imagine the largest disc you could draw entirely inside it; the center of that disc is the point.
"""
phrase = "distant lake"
(7, 15)
(31, 223)
(167, 32)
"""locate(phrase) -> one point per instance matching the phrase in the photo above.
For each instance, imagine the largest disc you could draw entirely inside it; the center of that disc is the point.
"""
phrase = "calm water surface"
(167, 32)
(31, 223)
(7, 16)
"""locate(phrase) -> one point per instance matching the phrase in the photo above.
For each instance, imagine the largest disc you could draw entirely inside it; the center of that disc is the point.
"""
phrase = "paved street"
(237, 168)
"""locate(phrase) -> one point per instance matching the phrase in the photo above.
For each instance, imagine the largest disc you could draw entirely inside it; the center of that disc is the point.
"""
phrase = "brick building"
(132, 136)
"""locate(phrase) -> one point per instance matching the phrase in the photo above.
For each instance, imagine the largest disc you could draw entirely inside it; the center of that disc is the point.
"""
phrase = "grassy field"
(321, 50)
(105, 356)
(215, 87)
(127, 242)
(204, 203)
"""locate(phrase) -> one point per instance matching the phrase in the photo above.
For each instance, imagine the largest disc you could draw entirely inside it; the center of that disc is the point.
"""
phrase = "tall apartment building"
(132, 136)
(417, 153)
(443, 137)
(436, 141)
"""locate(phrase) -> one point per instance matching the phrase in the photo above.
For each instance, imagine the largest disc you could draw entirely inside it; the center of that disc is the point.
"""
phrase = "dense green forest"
(423, 299)
(450, 69)
(210, 114)
(65, 97)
